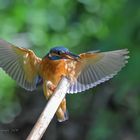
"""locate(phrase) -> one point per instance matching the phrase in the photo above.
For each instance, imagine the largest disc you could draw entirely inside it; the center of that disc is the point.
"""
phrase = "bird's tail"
(62, 113)
(64, 117)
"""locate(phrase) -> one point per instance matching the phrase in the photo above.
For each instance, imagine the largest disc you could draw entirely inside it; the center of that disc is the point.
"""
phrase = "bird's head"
(59, 52)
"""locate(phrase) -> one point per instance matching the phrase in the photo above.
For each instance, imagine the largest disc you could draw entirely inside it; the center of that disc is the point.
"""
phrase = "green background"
(111, 111)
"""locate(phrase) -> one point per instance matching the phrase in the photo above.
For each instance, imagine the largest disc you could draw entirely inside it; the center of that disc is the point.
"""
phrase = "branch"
(49, 111)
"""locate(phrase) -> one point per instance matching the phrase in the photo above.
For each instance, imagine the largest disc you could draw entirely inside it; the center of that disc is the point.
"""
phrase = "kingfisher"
(85, 70)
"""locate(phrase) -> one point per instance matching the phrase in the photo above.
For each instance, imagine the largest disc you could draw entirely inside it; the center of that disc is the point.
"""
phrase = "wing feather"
(98, 67)
(21, 64)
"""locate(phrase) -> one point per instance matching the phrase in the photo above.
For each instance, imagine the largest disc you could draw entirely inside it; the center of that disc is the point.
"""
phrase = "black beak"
(71, 56)
(74, 55)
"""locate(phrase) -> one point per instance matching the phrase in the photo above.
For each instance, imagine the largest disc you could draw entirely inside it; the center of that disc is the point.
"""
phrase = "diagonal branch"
(49, 111)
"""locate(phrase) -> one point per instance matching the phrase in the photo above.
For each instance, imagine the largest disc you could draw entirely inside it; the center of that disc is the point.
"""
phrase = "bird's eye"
(59, 53)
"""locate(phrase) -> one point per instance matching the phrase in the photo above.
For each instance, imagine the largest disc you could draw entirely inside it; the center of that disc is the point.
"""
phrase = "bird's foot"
(51, 86)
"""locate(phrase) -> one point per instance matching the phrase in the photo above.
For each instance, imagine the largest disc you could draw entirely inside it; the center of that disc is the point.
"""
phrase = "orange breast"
(52, 70)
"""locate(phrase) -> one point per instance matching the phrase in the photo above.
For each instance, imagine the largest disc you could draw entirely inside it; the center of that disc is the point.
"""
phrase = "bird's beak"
(71, 56)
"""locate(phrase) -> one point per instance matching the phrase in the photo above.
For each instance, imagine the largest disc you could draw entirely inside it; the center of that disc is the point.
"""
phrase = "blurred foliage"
(81, 25)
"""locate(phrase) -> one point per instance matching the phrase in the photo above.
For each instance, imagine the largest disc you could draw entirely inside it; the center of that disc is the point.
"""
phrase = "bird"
(85, 70)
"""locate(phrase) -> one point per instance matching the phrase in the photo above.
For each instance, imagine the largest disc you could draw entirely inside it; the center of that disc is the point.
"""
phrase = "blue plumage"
(39, 81)
(59, 48)
(55, 57)
(60, 52)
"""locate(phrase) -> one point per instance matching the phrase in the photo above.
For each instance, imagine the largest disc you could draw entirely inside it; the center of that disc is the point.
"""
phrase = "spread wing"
(21, 64)
(97, 67)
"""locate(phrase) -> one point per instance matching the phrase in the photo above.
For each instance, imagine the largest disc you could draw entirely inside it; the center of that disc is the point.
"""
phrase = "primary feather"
(98, 68)
(21, 64)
